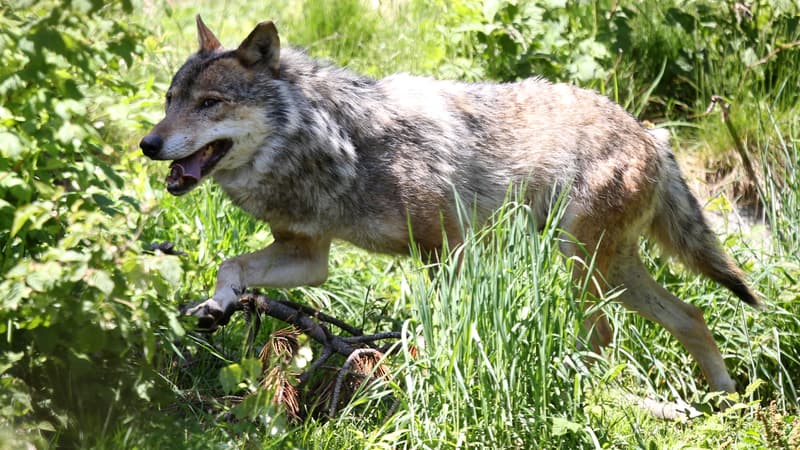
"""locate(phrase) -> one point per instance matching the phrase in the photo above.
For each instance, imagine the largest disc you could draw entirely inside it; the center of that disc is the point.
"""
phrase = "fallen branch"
(308, 321)
(675, 411)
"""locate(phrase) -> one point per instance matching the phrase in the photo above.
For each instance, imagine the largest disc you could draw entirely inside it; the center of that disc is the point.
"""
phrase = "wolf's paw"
(210, 314)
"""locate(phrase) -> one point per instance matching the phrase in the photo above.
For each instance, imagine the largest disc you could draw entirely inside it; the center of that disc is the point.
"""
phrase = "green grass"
(496, 323)
(498, 362)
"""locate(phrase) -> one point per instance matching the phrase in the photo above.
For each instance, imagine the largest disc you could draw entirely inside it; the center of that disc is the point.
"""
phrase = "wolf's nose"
(151, 145)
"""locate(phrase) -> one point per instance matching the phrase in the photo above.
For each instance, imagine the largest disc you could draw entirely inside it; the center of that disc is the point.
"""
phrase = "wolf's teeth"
(175, 182)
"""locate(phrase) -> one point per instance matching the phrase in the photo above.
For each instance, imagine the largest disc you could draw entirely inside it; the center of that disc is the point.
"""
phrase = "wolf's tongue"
(185, 173)
(189, 167)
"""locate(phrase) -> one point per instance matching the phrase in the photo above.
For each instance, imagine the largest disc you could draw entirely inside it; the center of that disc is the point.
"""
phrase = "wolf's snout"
(151, 145)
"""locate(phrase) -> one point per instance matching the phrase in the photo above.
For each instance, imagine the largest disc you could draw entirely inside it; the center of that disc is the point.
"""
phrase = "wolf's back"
(681, 230)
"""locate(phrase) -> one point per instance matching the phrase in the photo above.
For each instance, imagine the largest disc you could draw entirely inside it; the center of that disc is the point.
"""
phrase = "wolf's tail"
(681, 230)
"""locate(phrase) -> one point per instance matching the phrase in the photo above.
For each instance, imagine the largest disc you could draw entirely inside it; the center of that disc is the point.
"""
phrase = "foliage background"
(94, 354)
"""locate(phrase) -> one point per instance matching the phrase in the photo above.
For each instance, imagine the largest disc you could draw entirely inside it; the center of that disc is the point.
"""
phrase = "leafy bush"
(680, 53)
(79, 302)
(709, 49)
(511, 40)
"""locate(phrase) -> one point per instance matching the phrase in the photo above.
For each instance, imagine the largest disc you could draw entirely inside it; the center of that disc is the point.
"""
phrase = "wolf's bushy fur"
(322, 153)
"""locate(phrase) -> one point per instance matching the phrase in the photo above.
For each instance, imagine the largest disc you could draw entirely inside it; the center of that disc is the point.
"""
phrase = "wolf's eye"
(208, 102)
(169, 98)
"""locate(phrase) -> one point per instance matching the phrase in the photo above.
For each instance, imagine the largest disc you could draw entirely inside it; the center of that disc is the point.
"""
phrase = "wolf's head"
(215, 114)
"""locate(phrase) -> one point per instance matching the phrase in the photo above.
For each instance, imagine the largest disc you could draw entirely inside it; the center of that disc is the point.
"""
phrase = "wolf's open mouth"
(184, 174)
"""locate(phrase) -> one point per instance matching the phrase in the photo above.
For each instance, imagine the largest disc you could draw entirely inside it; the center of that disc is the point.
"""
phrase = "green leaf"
(562, 426)
(26, 213)
(490, 9)
(14, 397)
(11, 294)
(7, 360)
(752, 387)
(552, 4)
(16, 187)
(255, 405)
(251, 368)
(106, 204)
(230, 377)
(749, 57)
(612, 374)
(175, 326)
(10, 146)
(45, 276)
(101, 280)
(170, 268)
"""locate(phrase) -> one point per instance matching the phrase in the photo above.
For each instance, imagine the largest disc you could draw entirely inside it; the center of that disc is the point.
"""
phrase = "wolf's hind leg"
(595, 324)
(684, 321)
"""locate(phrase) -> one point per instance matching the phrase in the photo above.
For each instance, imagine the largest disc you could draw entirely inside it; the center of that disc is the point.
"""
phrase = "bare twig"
(324, 317)
(767, 58)
(326, 354)
(372, 338)
(725, 107)
(775, 51)
(613, 10)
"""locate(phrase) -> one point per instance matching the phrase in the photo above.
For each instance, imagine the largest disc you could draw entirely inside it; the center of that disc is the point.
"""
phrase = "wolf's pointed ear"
(208, 42)
(262, 46)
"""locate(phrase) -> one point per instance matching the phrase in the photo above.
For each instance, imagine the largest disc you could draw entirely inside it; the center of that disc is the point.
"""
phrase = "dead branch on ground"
(363, 355)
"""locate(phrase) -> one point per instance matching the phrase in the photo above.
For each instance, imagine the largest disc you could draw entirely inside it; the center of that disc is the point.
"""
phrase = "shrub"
(79, 301)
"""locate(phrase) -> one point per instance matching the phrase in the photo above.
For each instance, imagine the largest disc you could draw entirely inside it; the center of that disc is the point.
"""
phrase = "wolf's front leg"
(291, 260)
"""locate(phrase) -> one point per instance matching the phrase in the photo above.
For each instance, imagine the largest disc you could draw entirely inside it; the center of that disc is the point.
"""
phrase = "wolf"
(321, 153)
